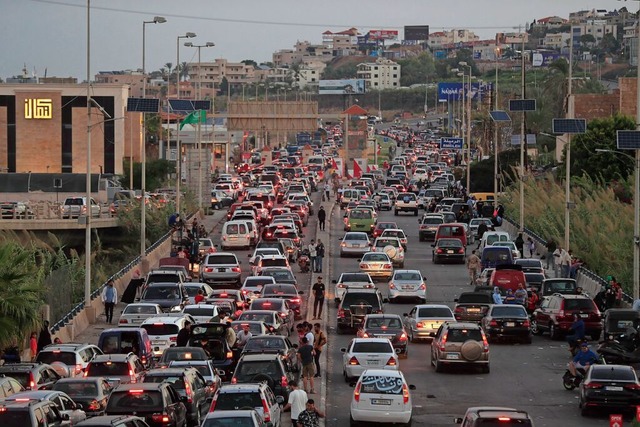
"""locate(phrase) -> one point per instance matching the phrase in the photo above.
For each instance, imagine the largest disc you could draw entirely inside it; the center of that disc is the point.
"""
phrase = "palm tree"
(184, 70)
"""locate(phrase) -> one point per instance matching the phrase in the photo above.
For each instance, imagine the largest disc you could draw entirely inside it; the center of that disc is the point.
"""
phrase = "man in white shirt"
(313, 255)
(297, 401)
(243, 336)
(309, 333)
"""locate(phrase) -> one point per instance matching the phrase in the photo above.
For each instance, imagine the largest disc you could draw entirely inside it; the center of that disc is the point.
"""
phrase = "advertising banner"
(341, 87)
(416, 32)
(453, 91)
(544, 59)
(451, 143)
(383, 34)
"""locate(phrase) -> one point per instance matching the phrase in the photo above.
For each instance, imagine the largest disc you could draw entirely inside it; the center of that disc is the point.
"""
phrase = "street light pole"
(87, 231)
(143, 147)
(495, 138)
(567, 184)
(199, 134)
(179, 156)
(522, 141)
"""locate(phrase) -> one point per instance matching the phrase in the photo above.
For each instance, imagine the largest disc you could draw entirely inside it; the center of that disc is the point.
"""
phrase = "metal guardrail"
(585, 271)
(96, 293)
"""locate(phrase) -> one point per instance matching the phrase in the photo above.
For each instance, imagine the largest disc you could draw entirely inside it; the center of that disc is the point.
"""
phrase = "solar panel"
(531, 139)
(561, 126)
(189, 105)
(628, 140)
(522, 105)
(500, 116)
(143, 105)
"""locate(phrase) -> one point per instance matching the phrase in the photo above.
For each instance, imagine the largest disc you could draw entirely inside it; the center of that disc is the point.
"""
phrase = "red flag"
(334, 164)
(357, 171)
(368, 169)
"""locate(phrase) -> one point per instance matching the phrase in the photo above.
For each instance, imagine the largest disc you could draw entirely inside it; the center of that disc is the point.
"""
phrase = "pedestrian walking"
(322, 216)
(531, 247)
(44, 339)
(319, 256)
(310, 417)
(305, 355)
(313, 253)
(557, 260)
(243, 336)
(182, 340)
(109, 299)
(327, 190)
(551, 248)
(33, 346)
(297, 402)
(473, 265)
(318, 344)
(318, 298)
(519, 242)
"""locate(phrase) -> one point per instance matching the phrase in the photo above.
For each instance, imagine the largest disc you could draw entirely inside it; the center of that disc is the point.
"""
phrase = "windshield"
(613, 374)
(66, 357)
(475, 298)
(356, 236)
(79, 388)
(279, 290)
(266, 305)
(140, 309)
(235, 401)
(372, 347)
(221, 259)
(585, 304)
(274, 262)
(279, 275)
(354, 277)
(380, 243)
(200, 311)
(407, 276)
(384, 323)
(107, 369)
(360, 214)
(432, 221)
(261, 317)
(493, 422)
(247, 370)
(161, 328)
(168, 278)
(161, 292)
(508, 312)
(462, 335)
(353, 298)
(230, 421)
(375, 257)
(435, 312)
(135, 401)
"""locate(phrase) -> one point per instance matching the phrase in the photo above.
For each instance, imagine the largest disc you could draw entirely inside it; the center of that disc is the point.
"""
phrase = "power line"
(257, 22)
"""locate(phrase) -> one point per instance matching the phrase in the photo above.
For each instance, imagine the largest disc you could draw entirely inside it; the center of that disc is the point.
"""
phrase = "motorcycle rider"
(577, 327)
(583, 359)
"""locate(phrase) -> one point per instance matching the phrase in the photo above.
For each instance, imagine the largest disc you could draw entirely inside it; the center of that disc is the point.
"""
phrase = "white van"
(489, 237)
(235, 234)
(316, 160)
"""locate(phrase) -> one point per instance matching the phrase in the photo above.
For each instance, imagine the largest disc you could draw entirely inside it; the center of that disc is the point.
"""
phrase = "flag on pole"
(357, 170)
(194, 117)
(334, 164)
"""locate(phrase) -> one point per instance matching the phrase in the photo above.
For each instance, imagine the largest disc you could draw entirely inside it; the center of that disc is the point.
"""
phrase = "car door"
(436, 342)
(542, 314)
(67, 406)
(175, 406)
(273, 404)
(410, 319)
(201, 392)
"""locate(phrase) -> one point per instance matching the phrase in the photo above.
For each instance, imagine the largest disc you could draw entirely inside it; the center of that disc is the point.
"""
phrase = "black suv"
(256, 368)
(472, 306)
(32, 413)
(166, 295)
(32, 376)
(356, 304)
(158, 403)
(189, 383)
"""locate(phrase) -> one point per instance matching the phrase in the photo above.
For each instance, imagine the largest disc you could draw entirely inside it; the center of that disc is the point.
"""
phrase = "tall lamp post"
(468, 137)
(495, 137)
(199, 96)
(179, 156)
(567, 184)
(87, 233)
(143, 148)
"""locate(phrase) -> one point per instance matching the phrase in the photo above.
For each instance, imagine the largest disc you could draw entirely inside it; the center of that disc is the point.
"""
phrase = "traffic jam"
(225, 341)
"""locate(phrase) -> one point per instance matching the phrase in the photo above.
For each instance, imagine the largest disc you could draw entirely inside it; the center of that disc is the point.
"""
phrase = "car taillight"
(420, 325)
(132, 376)
(388, 266)
(392, 285)
(295, 300)
(422, 287)
(392, 362)
(340, 285)
(208, 269)
(485, 343)
(459, 310)
(32, 382)
(632, 386)
(403, 337)
(593, 385)
(340, 312)
(229, 354)
(364, 265)
(94, 405)
(224, 237)
(188, 392)
(493, 323)
(405, 394)
(234, 380)
(266, 413)
(353, 361)
(461, 250)
(438, 251)
(236, 269)
(526, 324)
(356, 393)
(283, 381)
(173, 339)
(161, 418)
(123, 321)
(443, 341)
(423, 227)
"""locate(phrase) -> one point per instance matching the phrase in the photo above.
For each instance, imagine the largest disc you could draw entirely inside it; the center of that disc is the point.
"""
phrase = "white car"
(192, 289)
(392, 246)
(368, 353)
(423, 321)
(381, 396)
(202, 313)
(351, 280)
(516, 253)
(407, 284)
(134, 314)
(163, 330)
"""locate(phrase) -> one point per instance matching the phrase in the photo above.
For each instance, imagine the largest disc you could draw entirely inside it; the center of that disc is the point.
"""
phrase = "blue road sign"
(385, 139)
(451, 143)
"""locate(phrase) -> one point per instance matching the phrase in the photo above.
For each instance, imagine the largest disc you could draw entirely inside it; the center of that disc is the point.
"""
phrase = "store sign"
(38, 108)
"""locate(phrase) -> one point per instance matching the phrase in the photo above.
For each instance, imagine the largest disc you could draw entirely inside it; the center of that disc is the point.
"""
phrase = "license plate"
(449, 252)
(613, 388)
(584, 316)
(373, 362)
(222, 270)
(380, 402)
(157, 342)
(408, 288)
(453, 356)
(473, 310)
(435, 325)
(510, 324)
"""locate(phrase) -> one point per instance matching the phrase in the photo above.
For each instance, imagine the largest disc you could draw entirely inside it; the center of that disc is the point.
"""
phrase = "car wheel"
(554, 334)
(423, 300)
(198, 421)
(434, 260)
(584, 411)
(420, 238)
(415, 213)
(438, 366)
(346, 377)
(409, 423)
(341, 254)
(352, 422)
(395, 213)
(535, 330)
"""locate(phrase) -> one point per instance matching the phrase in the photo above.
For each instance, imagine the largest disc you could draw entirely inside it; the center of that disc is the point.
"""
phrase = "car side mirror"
(280, 399)
(457, 420)
(455, 300)
(385, 300)
(343, 350)
(184, 399)
(405, 314)
(433, 246)
(220, 372)
(300, 292)
(64, 417)
(78, 406)
(248, 255)
(239, 262)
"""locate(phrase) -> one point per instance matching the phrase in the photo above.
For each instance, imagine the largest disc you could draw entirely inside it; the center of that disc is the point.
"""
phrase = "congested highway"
(526, 377)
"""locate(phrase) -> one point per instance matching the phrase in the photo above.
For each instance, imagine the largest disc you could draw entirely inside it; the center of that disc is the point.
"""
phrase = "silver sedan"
(423, 320)
(376, 264)
(355, 243)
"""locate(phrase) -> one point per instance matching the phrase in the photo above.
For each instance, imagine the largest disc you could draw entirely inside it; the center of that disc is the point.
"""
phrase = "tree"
(418, 69)
(348, 71)
(587, 40)
(250, 62)
(609, 44)
(223, 87)
(601, 134)
(157, 173)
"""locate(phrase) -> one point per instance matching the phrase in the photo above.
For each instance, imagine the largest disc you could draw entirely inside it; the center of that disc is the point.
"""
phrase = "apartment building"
(382, 74)
(210, 73)
(134, 79)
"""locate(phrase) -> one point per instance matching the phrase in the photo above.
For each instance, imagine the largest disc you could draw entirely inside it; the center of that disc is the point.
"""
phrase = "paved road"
(527, 377)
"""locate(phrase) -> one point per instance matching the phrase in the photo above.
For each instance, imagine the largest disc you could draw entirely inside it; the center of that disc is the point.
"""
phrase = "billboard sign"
(341, 87)
(440, 54)
(383, 34)
(451, 143)
(416, 32)
(544, 59)
(452, 91)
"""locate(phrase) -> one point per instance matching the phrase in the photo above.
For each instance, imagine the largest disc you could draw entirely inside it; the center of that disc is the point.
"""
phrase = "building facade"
(44, 128)
(382, 74)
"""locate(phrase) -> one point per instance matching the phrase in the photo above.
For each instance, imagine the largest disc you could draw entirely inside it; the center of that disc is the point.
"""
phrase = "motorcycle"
(304, 261)
(570, 382)
(625, 352)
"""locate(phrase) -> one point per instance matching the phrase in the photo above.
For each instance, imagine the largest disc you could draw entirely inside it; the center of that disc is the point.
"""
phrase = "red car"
(381, 226)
